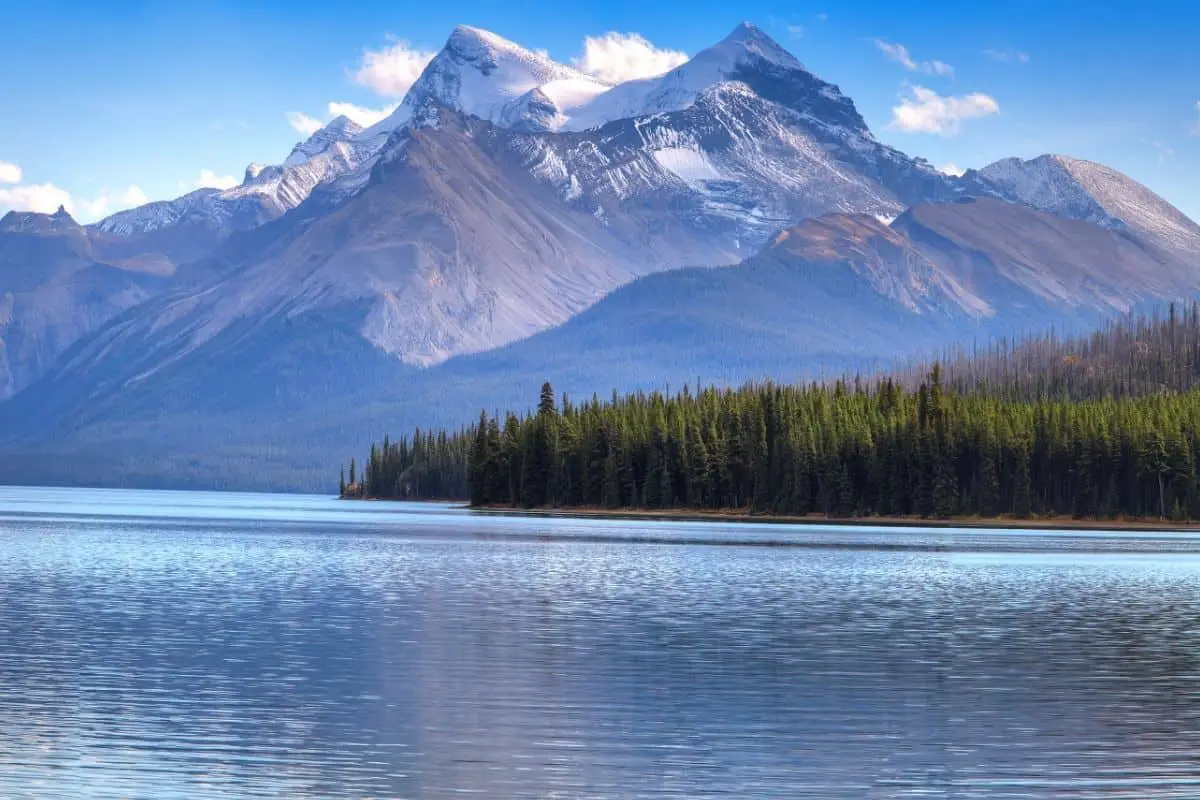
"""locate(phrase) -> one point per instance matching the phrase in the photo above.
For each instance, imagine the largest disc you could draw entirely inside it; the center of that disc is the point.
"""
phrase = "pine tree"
(942, 448)
(546, 406)
(481, 462)
(1022, 487)
(845, 494)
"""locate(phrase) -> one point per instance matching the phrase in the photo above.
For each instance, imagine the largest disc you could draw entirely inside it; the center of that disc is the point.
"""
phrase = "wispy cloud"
(618, 57)
(795, 31)
(899, 53)
(925, 111)
(108, 203)
(1163, 152)
(303, 123)
(1007, 56)
(9, 173)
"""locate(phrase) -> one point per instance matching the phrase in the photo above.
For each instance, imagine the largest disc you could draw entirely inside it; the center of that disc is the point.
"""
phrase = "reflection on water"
(162, 645)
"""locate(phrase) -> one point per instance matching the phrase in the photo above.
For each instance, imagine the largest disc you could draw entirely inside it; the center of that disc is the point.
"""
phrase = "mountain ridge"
(730, 228)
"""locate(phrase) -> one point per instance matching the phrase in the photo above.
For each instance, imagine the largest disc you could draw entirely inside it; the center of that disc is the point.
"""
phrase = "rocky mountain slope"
(467, 229)
(1085, 190)
(842, 292)
(59, 281)
(515, 221)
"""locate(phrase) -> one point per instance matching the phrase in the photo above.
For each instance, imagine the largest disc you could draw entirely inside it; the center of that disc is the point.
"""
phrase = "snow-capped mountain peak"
(264, 193)
(340, 129)
(484, 75)
(748, 40)
(745, 54)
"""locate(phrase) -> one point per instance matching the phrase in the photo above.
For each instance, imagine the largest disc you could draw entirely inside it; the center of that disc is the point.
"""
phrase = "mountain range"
(516, 220)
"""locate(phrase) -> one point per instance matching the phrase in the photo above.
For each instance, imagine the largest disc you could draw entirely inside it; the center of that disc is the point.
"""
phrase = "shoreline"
(1057, 523)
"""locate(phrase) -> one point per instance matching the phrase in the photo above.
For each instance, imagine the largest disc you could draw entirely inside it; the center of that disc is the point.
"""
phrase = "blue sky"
(105, 104)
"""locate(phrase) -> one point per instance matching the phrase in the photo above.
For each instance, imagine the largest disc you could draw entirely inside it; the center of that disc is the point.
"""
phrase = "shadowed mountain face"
(515, 221)
(58, 281)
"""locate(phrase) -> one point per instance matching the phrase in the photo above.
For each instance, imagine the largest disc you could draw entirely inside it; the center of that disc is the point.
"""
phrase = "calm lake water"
(190, 645)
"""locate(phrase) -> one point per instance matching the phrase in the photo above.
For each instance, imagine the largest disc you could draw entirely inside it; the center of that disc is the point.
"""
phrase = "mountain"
(515, 221)
(842, 292)
(1084, 190)
(265, 193)
(458, 234)
(59, 281)
(483, 75)
(847, 291)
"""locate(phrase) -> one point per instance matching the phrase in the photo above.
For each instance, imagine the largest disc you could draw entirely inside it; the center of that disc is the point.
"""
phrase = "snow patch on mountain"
(689, 165)
(266, 192)
(340, 129)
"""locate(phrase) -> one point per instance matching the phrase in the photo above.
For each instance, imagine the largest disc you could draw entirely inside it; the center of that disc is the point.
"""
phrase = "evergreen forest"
(1102, 427)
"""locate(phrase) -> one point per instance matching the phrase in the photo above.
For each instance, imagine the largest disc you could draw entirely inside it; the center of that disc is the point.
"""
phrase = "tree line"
(1129, 356)
(428, 465)
(984, 441)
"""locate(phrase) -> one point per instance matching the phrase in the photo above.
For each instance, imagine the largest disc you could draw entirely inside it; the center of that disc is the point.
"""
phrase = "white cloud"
(9, 173)
(106, 203)
(952, 169)
(795, 30)
(363, 116)
(44, 198)
(303, 123)
(391, 71)
(134, 196)
(211, 180)
(925, 111)
(618, 57)
(899, 53)
(366, 117)
(1008, 56)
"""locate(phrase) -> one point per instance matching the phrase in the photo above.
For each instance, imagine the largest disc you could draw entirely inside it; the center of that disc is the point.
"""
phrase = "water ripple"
(162, 645)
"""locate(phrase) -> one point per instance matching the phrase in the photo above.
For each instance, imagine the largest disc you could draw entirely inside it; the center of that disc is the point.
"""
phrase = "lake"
(208, 645)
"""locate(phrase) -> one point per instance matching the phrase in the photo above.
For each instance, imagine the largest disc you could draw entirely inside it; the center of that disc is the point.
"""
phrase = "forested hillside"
(1102, 427)
(1128, 357)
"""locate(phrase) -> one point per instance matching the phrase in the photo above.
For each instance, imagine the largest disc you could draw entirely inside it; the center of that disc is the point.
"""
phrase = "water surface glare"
(188, 645)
